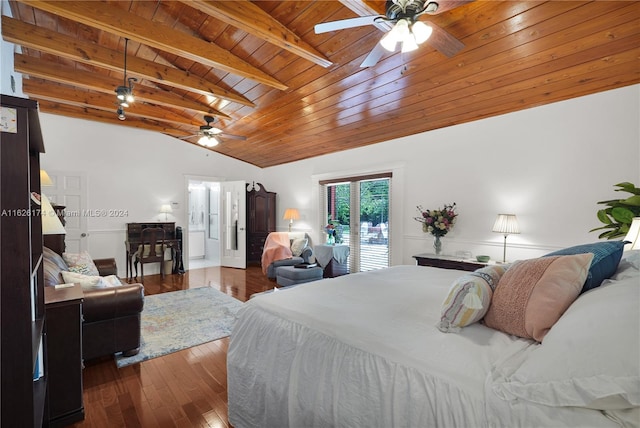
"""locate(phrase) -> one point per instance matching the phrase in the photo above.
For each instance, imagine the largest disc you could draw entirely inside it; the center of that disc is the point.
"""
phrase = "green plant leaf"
(603, 217)
(633, 201)
(622, 215)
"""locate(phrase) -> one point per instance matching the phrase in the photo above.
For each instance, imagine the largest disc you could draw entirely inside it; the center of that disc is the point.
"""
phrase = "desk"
(333, 259)
(172, 240)
(448, 262)
(131, 247)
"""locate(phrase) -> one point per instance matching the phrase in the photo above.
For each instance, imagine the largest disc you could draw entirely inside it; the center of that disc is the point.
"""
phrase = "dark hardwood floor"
(183, 389)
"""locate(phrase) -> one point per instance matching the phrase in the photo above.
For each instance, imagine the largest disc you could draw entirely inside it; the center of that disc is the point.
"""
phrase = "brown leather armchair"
(111, 315)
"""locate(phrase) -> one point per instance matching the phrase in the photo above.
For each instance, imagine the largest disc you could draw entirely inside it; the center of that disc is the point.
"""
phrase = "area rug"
(181, 319)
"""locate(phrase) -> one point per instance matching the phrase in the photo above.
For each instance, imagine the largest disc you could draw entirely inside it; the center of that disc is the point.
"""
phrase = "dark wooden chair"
(150, 250)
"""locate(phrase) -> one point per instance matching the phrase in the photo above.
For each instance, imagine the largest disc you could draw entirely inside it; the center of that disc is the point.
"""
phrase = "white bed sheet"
(363, 350)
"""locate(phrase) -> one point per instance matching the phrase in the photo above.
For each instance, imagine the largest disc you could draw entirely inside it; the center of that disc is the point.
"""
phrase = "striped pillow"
(469, 298)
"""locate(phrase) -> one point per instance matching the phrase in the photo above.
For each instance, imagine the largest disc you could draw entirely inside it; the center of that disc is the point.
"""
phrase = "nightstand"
(448, 262)
(63, 308)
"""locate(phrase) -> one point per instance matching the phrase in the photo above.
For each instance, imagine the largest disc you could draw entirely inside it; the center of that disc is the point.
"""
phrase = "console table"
(333, 259)
(448, 262)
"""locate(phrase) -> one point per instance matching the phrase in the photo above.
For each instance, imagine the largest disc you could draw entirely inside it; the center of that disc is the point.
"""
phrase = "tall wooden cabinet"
(261, 220)
(23, 371)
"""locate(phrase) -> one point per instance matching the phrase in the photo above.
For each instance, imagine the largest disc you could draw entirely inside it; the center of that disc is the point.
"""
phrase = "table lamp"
(633, 236)
(506, 224)
(291, 214)
(165, 209)
(51, 224)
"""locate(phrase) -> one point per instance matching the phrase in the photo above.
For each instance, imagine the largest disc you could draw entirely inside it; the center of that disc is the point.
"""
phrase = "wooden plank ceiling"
(261, 70)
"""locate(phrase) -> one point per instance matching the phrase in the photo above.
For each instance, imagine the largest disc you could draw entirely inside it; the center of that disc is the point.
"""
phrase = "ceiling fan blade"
(445, 5)
(345, 23)
(374, 56)
(444, 41)
(186, 137)
(232, 137)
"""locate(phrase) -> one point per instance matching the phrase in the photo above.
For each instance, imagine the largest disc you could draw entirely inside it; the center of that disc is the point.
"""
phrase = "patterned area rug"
(182, 319)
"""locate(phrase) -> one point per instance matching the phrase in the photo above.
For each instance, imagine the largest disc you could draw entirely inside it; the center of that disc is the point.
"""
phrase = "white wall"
(133, 170)
(549, 165)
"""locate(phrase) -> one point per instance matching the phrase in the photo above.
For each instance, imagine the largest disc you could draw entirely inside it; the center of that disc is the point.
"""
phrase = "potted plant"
(619, 213)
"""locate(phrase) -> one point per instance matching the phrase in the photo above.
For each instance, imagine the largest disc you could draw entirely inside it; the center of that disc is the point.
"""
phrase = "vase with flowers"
(437, 222)
(330, 230)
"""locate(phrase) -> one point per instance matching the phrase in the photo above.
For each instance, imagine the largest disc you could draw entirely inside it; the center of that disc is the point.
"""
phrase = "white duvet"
(363, 350)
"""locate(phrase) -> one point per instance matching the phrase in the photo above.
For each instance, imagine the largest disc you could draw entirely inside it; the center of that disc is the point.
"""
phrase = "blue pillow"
(606, 256)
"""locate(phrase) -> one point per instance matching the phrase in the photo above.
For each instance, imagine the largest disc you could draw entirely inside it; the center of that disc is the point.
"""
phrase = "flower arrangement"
(330, 230)
(437, 222)
(334, 232)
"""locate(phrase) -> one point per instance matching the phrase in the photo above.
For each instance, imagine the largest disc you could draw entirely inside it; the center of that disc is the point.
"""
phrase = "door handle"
(83, 235)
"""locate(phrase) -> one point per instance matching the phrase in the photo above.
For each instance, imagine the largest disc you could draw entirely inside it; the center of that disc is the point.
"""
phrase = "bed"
(367, 350)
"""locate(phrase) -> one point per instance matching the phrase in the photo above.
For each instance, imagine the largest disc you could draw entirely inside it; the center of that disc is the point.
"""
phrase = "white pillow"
(298, 245)
(89, 282)
(81, 263)
(590, 357)
(469, 298)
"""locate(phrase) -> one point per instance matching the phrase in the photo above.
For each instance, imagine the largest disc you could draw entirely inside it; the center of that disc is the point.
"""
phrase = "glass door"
(358, 210)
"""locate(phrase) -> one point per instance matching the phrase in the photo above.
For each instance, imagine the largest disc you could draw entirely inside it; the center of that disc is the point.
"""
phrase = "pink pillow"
(533, 294)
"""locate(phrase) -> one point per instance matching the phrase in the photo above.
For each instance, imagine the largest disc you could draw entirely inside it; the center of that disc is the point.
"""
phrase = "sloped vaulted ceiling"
(259, 68)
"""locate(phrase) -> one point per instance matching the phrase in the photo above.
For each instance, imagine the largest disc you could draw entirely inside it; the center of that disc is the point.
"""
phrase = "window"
(358, 207)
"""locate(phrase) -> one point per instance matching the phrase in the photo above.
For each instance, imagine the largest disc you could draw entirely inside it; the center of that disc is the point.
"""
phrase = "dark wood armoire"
(261, 220)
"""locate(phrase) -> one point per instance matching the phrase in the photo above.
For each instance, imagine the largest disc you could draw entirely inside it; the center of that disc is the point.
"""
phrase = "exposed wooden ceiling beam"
(98, 100)
(118, 21)
(106, 117)
(45, 40)
(250, 18)
(103, 83)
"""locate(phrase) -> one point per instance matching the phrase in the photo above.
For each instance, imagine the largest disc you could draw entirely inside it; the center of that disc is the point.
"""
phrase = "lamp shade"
(51, 224)
(166, 209)
(633, 236)
(291, 214)
(45, 180)
(507, 224)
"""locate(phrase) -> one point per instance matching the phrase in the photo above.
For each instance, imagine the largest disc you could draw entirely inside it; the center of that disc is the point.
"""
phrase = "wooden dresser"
(448, 262)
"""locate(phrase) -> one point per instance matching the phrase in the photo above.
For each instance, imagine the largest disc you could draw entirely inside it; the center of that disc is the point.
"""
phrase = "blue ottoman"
(289, 275)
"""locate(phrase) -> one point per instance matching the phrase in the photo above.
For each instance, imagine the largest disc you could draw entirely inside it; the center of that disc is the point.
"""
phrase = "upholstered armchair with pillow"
(285, 249)
(110, 310)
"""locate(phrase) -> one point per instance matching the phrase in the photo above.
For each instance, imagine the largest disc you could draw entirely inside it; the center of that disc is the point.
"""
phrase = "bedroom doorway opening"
(203, 223)
(358, 208)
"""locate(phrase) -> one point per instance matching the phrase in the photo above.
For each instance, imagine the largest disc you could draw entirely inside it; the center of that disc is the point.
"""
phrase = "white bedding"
(363, 350)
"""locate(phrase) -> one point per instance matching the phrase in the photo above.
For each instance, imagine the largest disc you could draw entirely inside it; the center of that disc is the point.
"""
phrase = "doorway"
(203, 223)
(358, 210)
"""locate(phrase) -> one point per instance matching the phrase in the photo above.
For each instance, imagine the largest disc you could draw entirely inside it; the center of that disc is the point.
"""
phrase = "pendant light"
(124, 93)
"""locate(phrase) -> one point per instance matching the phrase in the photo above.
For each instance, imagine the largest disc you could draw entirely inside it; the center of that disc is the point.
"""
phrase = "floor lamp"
(506, 224)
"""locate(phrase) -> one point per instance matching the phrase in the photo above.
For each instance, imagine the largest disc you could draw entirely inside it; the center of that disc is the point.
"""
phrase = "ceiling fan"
(407, 31)
(210, 135)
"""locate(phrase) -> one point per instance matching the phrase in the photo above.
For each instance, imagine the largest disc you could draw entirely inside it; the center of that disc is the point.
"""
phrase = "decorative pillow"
(89, 282)
(298, 245)
(606, 256)
(469, 298)
(81, 263)
(533, 294)
(589, 358)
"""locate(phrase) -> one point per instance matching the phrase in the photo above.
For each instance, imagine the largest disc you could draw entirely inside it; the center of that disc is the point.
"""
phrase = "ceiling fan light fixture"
(421, 31)
(390, 40)
(124, 93)
(409, 44)
(208, 141)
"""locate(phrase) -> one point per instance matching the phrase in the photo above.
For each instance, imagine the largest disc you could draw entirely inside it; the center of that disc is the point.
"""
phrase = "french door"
(358, 210)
